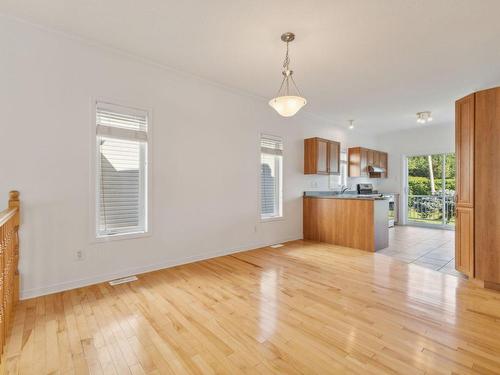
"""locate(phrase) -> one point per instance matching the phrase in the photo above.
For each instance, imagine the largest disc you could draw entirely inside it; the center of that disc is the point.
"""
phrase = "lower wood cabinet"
(357, 223)
(464, 243)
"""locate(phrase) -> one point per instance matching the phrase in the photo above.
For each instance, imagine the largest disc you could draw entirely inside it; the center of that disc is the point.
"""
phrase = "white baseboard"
(73, 284)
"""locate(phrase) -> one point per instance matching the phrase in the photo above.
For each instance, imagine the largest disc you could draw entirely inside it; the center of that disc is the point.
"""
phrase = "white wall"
(424, 140)
(205, 166)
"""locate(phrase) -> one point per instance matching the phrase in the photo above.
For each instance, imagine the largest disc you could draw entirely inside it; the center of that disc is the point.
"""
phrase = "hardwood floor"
(303, 308)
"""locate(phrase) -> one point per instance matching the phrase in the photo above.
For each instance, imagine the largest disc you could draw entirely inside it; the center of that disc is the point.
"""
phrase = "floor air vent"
(123, 280)
(277, 245)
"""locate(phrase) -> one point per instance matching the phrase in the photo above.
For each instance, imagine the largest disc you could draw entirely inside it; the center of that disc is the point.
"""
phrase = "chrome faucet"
(344, 188)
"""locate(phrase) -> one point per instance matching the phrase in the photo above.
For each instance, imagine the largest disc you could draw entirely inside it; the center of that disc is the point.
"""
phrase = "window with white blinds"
(271, 177)
(121, 172)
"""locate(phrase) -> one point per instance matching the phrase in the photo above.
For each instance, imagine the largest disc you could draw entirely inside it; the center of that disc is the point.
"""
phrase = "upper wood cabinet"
(464, 150)
(321, 156)
(384, 164)
(333, 157)
(360, 160)
(363, 162)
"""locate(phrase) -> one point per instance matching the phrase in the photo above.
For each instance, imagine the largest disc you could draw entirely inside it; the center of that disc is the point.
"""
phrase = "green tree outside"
(424, 203)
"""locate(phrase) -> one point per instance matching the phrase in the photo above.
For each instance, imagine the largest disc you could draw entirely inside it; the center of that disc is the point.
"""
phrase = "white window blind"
(122, 140)
(271, 180)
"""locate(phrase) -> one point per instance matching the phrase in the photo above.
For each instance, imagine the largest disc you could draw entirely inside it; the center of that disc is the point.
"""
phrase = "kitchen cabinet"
(464, 151)
(365, 162)
(376, 157)
(464, 245)
(486, 181)
(321, 156)
(357, 223)
(370, 156)
(464, 194)
(384, 164)
(477, 151)
(333, 157)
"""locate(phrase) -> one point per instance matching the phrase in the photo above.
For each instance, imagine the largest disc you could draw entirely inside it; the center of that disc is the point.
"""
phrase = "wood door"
(383, 163)
(464, 240)
(376, 158)
(333, 157)
(363, 162)
(353, 162)
(370, 157)
(315, 156)
(487, 180)
(322, 156)
(464, 150)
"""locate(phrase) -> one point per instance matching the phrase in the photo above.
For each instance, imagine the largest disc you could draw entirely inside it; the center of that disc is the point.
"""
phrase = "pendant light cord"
(287, 76)
(286, 62)
(295, 85)
(281, 86)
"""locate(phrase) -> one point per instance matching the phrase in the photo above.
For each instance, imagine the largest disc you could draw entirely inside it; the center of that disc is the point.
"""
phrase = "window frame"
(145, 185)
(280, 188)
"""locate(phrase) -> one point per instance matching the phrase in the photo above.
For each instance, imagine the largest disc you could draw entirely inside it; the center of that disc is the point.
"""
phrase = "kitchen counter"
(336, 195)
(351, 221)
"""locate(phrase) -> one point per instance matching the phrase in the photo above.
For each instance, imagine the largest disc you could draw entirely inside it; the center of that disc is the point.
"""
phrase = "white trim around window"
(142, 138)
(271, 187)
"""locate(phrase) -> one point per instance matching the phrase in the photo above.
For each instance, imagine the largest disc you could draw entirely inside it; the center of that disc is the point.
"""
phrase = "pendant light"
(288, 100)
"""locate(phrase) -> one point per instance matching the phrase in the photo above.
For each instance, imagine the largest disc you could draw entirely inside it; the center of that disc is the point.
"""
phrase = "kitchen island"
(346, 220)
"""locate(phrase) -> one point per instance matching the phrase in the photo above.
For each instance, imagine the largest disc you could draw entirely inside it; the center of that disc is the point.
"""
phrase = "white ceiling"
(376, 61)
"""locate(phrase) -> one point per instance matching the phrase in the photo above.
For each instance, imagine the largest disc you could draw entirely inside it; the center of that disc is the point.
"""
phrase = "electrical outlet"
(255, 228)
(80, 255)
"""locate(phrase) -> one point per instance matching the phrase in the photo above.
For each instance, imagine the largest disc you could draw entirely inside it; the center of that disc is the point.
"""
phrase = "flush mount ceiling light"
(288, 100)
(424, 117)
(351, 124)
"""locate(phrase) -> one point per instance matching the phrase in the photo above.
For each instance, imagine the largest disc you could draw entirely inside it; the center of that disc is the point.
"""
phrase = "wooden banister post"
(14, 202)
(9, 260)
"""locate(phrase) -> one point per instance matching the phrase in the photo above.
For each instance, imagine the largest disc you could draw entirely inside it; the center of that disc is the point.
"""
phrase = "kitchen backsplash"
(321, 183)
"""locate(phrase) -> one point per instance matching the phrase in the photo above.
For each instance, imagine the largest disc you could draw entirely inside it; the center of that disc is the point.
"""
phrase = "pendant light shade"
(287, 106)
(288, 100)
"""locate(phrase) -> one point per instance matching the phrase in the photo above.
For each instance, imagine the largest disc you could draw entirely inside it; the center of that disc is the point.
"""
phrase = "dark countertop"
(337, 195)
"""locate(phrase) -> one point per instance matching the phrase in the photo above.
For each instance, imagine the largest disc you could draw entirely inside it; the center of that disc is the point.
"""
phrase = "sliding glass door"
(431, 190)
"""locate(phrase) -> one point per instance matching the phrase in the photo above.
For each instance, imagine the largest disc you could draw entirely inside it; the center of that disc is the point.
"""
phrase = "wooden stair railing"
(9, 258)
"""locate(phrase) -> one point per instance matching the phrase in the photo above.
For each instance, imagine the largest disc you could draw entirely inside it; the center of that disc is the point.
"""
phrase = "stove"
(366, 190)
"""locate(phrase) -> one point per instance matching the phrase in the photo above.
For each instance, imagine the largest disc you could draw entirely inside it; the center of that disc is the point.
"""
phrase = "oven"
(366, 190)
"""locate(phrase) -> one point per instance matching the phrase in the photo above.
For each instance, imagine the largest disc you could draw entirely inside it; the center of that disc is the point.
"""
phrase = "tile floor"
(426, 247)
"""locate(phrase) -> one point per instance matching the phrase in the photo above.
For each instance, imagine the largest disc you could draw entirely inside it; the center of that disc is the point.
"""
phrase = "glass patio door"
(431, 190)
